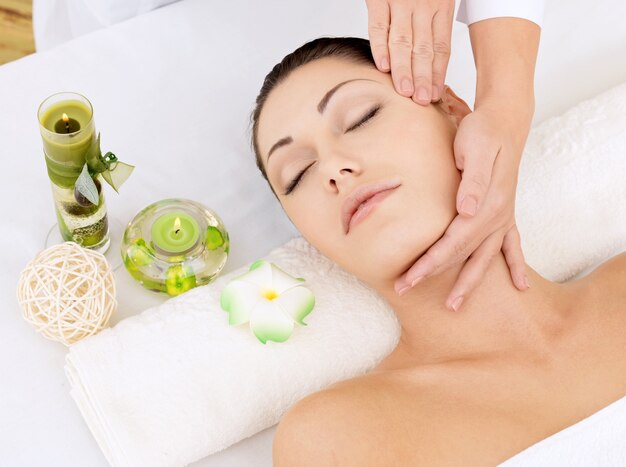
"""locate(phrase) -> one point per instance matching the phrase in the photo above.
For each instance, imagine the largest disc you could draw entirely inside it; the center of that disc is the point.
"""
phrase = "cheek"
(316, 222)
(422, 148)
(320, 225)
(423, 156)
(433, 183)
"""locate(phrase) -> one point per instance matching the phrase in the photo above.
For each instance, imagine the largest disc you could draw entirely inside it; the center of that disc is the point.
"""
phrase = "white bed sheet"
(172, 91)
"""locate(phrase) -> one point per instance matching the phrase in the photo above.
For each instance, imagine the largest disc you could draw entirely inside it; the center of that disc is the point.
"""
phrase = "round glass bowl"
(174, 245)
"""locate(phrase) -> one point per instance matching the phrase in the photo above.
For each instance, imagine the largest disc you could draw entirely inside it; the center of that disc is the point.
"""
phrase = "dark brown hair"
(355, 49)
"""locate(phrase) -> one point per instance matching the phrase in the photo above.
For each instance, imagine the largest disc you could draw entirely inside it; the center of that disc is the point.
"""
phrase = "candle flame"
(66, 119)
(177, 224)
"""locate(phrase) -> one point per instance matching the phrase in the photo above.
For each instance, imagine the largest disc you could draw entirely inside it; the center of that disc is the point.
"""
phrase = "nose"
(339, 168)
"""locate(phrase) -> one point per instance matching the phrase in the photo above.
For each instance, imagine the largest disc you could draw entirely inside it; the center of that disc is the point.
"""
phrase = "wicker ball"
(67, 292)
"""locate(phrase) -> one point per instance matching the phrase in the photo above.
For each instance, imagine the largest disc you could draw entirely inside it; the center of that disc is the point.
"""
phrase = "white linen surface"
(172, 90)
(177, 383)
(58, 21)
(595, 441)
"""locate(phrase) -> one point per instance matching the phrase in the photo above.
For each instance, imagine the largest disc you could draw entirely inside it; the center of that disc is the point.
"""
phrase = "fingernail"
(416, 280)
(422, 94)
(435, 93)
(405, 288)
(400, 286)
(456, 303)
(406, 85)
(384, 64)
(526, 283)
(469, 205)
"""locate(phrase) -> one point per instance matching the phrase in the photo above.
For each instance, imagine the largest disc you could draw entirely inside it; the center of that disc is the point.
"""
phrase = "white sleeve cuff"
(471, 11)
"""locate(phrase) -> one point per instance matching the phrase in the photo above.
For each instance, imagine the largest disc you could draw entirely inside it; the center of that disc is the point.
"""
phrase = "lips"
(359, 196)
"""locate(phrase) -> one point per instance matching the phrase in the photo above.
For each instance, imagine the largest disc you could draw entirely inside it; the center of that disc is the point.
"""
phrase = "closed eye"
(371, 113)
(296, 180)
(365, 118)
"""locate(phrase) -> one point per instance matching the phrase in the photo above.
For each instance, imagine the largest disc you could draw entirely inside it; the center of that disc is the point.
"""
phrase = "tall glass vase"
(68, 132)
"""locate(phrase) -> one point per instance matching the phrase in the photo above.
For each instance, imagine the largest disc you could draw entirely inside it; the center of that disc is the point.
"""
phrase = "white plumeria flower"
(269, 298)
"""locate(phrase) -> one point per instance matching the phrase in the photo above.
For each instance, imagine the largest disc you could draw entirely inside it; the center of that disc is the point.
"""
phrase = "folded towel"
(177, 383)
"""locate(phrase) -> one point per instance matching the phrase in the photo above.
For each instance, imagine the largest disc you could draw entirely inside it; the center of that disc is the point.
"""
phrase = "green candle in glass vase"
(68, 132)
(65, 149)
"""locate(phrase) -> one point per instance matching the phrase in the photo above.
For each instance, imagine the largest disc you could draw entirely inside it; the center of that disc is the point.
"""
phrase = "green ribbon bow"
(113, 171)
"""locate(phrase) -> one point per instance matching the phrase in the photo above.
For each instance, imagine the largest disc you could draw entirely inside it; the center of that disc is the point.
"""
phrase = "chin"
(384, 249)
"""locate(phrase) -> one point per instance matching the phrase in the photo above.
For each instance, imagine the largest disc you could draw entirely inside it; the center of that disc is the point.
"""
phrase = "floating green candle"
(171, 256)
(175, 232)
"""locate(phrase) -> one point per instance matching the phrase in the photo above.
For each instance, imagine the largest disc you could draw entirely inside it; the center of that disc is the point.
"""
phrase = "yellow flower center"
(270, 294)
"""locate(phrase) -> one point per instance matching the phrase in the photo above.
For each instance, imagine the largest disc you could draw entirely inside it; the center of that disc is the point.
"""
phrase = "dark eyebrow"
(320, 108)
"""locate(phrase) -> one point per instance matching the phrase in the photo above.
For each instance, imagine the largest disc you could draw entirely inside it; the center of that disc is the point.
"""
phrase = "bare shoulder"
(315, 431)
(347, 423)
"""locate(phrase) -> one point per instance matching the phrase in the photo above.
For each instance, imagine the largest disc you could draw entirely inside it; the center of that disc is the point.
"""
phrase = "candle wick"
(176, 232)
(67, 127)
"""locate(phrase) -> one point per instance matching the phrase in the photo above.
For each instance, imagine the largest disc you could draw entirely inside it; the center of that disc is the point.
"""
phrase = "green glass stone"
(144, 280)
(139, 253)
(213, 238)
(179, 279)
(131, 268)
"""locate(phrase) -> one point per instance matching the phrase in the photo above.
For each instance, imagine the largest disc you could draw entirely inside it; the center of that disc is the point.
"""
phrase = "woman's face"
(362, 133)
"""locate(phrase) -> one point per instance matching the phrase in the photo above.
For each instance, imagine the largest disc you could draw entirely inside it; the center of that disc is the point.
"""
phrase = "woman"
(467, 388)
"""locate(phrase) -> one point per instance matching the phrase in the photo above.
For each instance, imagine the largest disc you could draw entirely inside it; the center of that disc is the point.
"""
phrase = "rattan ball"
(67, 292)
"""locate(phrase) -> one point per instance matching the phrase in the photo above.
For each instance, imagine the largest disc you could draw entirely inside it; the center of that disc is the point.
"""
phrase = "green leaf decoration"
(213, 238)
(256, 264)
(86, 186)
(113, 170)
(94, 155)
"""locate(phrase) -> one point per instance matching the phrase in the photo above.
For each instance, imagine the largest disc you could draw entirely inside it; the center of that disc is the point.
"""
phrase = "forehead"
(293, 102)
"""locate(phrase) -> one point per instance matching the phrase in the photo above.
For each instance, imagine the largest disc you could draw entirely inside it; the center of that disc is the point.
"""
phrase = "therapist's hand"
(488, 150)
(411, 38)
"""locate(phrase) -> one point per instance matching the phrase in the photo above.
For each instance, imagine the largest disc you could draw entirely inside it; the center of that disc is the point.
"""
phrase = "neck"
(496, 319)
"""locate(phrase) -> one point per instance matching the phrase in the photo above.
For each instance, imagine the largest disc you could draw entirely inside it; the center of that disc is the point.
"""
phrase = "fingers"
(400, 46)
(476, 266)
(422, 57)
(476, 177)
(456, 244)
(512, 249)
(474, 270)
(442, 32)
(378, 31)
(413, 42)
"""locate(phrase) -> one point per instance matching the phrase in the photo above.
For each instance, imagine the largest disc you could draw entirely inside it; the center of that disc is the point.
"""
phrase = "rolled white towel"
(571, 193)
(176, 383)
